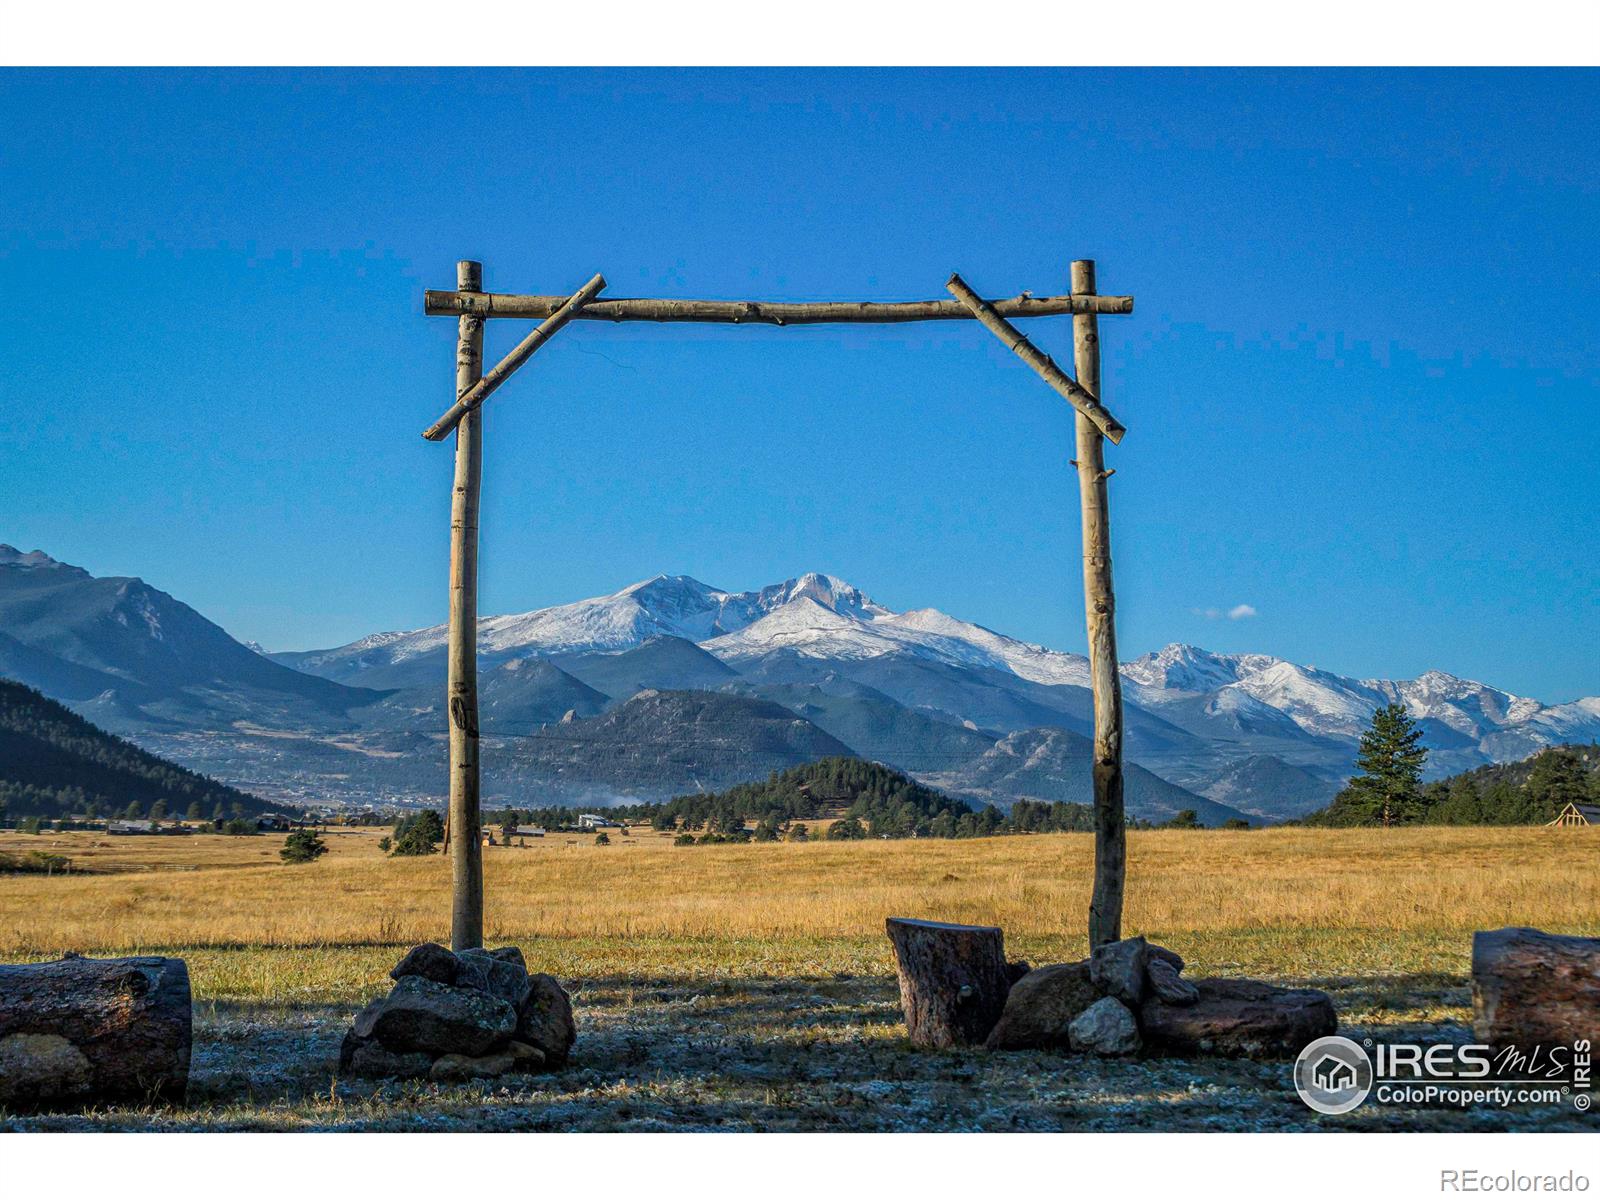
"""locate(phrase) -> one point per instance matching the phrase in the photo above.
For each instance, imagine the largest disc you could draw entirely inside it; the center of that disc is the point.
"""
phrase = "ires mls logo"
(1333, 1075)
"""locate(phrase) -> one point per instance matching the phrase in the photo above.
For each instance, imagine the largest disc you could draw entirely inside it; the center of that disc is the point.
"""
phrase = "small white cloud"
(1239, 612)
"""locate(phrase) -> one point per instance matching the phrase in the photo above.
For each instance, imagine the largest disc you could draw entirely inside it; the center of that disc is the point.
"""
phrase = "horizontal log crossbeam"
(761, 312)
(1074, 394)
(568, 308)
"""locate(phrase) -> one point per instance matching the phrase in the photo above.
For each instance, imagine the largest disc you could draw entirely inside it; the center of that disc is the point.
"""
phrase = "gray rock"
(510, 954)
(1239, 1018)
(429, 960)
(458, 1068)
(1016, 970)
(472, 970)
(1171, 956)
(361, 1027)
(1040, 1007)
(525, 1057)
(423, 1015)
(1117, 969)
(1106, 1027)
(376, 1061)
(1166, 984)
(545, 1020)
(502, 977)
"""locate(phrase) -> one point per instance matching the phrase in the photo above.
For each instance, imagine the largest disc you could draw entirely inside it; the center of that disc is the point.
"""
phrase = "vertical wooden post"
(1110, 837)
(465, 843)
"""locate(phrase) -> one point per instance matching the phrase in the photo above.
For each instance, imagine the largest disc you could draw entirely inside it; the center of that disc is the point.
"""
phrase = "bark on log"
(762, 312)
(466, 850)
(1531, 988)
(521, 353)
(953, 980)
(1100, 614)
(84, 1031)
(1080, 396)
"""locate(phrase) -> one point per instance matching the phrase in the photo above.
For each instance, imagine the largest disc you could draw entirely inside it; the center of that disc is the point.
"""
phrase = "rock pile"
(1130, 995)
(476, 1014)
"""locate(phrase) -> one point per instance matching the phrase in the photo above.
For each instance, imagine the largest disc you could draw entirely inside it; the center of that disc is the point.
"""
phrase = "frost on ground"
(781, 1054)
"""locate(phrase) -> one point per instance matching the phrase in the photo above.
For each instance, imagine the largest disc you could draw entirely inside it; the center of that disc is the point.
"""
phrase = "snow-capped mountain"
(918, 689)
(1192, 715)
(1319, 702)
(815, 615)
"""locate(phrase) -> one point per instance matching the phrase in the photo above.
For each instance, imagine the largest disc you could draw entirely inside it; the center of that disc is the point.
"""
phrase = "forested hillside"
(1529, 792)
(54, 763)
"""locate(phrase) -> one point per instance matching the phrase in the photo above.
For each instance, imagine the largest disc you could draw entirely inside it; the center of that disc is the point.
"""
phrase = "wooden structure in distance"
(471, 305)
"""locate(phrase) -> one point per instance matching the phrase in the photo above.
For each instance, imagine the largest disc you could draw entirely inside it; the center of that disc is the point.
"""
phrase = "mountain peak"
(33, 560)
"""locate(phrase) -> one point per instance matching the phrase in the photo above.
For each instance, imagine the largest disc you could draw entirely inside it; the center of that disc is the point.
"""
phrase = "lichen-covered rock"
(545, 1020)
(510, 954)
(1117, 969)
(526, 1057)
(429, 960)
(376, 1061)
(1166, 984)
(458, 1068)
(1106, 1027)
(1041, 1006)
(420, 1014)
(1239, 1018)
(502, 977)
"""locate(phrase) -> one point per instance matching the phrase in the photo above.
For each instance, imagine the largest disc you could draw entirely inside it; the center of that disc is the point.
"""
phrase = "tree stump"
(1531, 988)
(953, 980)
(94, 1030)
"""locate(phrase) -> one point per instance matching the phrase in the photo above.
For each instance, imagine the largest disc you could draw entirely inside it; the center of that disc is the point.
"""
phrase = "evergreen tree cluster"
(1388, 789)
(866, 799)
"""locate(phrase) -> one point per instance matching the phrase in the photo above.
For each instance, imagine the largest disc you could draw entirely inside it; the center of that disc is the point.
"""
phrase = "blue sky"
(1360, 382)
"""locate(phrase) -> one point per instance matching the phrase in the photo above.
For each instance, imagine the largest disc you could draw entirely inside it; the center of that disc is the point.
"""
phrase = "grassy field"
(777, 952)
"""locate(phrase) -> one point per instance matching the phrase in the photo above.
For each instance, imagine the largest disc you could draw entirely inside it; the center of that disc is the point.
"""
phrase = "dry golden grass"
(1289, 903)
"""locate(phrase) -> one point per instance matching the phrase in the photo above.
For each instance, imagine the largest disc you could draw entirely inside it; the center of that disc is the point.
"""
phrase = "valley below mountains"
(671, 686)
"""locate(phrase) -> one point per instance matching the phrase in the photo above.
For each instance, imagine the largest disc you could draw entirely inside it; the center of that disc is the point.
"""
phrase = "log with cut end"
(953, 980)
(1531, 988)
(83, 1031)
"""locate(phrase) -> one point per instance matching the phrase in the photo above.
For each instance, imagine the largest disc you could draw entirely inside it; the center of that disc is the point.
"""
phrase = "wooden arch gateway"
(1094, 424)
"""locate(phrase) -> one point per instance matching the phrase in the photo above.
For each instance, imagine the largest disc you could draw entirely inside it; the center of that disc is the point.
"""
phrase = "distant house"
(521, 831)
(130, 828)
(593, 821)
(143, 828)
(1577, 816)
(273, 822)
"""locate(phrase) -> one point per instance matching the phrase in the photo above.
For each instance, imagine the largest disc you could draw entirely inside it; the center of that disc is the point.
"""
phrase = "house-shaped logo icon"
(1333, 1074)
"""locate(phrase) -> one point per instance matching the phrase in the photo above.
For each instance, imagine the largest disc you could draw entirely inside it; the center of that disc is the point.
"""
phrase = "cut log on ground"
(1531, 988)
(953, 980)
(83, 1031)
(1239, 1018)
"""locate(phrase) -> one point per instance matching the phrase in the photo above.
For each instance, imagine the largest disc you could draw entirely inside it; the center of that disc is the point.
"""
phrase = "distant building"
(141, 828)
(521, 831)
(273, 822)
(592, 821)
(1577, 816)
(127, 828)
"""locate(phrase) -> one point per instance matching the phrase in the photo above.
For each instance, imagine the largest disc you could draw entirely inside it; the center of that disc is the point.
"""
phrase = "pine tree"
(1558, 779)
(1388, 788)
